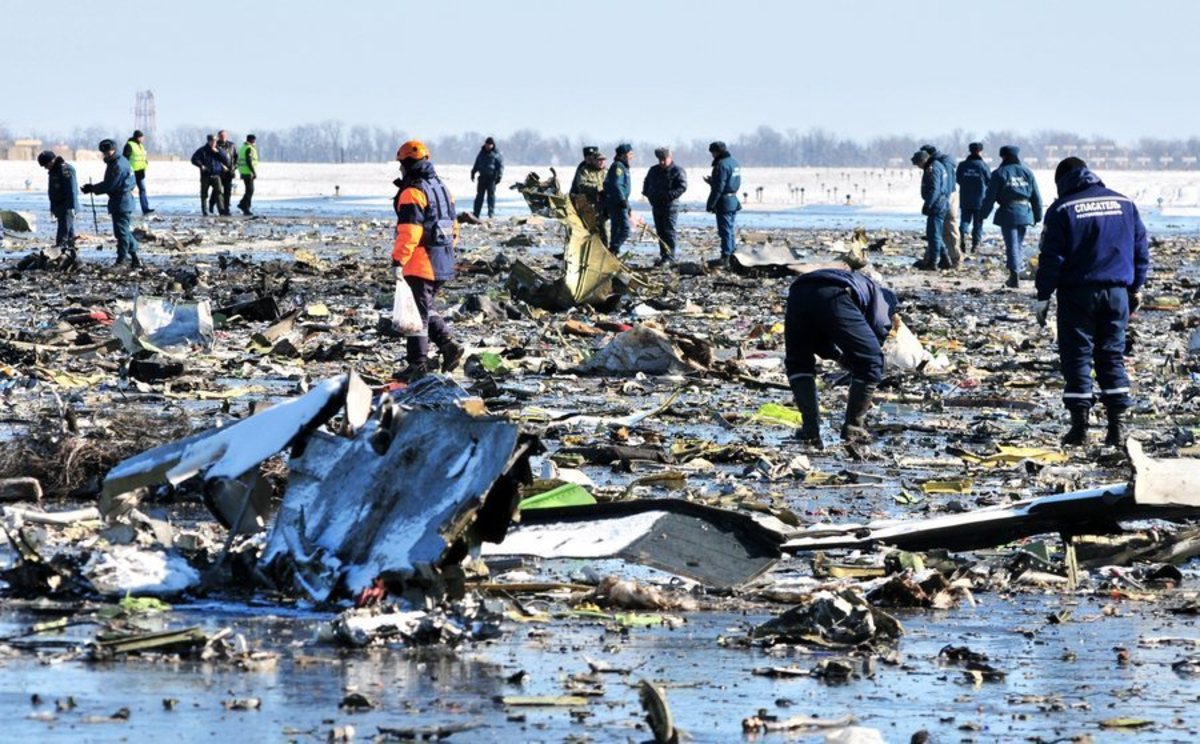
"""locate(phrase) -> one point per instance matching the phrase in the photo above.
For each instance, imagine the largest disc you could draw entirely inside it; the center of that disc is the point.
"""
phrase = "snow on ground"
(883, 189)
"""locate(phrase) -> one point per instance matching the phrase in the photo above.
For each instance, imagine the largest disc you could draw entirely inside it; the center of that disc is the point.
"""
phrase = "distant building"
(23, 149)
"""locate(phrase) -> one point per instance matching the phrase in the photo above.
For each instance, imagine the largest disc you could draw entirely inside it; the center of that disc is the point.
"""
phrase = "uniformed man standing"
(423, 254)
(587, 190)
(724, 183)
(64, 196)
(1013, 190)
(118, 183)
(934, 205)
(665, 183)
(135, 153)
(951, 238)
(972, 176)
(617, 187)
(1095, 254)
(843, 316)
(226, 147)
(489, 166)
(247, 165)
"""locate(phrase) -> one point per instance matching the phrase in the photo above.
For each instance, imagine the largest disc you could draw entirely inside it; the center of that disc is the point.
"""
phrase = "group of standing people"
(1011, 190)
(602, 197)
(218, 160)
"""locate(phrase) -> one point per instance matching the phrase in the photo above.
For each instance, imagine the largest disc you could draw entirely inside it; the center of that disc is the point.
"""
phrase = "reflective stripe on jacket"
(137, 156)
(425, 227)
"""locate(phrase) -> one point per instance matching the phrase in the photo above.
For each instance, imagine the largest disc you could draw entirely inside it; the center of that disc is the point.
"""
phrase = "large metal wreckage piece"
(406, 486)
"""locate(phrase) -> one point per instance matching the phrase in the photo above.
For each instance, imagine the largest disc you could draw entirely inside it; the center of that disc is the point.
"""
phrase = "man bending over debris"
(1095, 253)
(424, 254)
(844, 316)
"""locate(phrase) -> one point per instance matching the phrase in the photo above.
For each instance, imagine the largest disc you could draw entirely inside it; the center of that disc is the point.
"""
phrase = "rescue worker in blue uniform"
(842, 316)
(724, 183)
(617, 188)
(1013, 191)
(423, 255)
(935, 203)
(1095, 255)
(951, 238)
(118, 183)
(489, 166)
(972, 176)
(63, 190)
(665, 183)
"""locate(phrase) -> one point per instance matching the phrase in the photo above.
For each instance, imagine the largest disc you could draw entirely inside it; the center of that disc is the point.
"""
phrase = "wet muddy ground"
(1061, 679)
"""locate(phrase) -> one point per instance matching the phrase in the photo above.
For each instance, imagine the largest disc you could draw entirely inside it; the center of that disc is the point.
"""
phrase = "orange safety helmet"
(412, 150)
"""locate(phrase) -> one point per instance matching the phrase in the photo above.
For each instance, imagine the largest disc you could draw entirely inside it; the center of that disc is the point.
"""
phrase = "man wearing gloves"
(118, 183)
(1013, 190)
(423, 255)
(1095, 254)
(843, 316)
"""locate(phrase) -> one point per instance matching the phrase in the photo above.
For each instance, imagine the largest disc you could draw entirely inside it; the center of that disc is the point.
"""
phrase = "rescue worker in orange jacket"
(423, 254)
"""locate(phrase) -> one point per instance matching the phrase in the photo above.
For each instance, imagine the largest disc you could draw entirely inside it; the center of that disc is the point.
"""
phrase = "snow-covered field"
(884, 190)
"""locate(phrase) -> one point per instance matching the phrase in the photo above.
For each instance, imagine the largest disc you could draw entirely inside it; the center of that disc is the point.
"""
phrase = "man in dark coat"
(724, 183)
(665, 183)
(1096, 255)
(118, 183)
(972, 176)
(1013, 191)
(935, 203)
(489, 166)
(212, 163)
(617, 187)
(842, 316)
(64, 196)
(220, 201)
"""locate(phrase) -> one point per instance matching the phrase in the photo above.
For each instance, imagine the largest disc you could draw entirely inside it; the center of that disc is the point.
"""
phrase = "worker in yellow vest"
(247, 165)
(135, 153)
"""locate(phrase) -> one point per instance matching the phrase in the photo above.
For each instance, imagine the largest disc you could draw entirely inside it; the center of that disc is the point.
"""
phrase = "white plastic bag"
(903, 351)
(406, 318)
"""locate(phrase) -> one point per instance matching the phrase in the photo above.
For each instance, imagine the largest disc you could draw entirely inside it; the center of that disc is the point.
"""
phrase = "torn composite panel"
(716, 547)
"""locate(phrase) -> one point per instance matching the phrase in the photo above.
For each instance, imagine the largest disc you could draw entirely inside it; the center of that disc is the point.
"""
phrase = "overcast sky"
(639, 69)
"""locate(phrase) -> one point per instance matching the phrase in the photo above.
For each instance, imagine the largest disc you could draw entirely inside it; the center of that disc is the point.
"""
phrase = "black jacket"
(64, 187)
(664, 184)
(210, 162)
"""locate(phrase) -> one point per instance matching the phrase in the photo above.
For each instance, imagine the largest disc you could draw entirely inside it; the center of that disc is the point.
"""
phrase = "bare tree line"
(332, 141)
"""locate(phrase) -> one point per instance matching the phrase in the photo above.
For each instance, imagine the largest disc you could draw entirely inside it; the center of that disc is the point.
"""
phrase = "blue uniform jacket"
(664, 185)
(972, 176)
(617, 186)
(877, 304)
(934, 192)
(1013, 187)
(1093, 236)
(947, 164)
(724, 183)
(489, 165)
(63, 187)
(118, 183)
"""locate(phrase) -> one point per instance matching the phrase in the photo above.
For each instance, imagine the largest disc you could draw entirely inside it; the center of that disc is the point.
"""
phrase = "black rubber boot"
(944, 263)
(717, 264)
(452, 354)
(1076, 436)
(1014, 280)
(1117, 432)
(857, 405)
(413, 372)
(804, 390)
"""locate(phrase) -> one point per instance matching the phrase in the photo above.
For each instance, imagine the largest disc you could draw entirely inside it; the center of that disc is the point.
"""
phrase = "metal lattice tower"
(144, 116)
